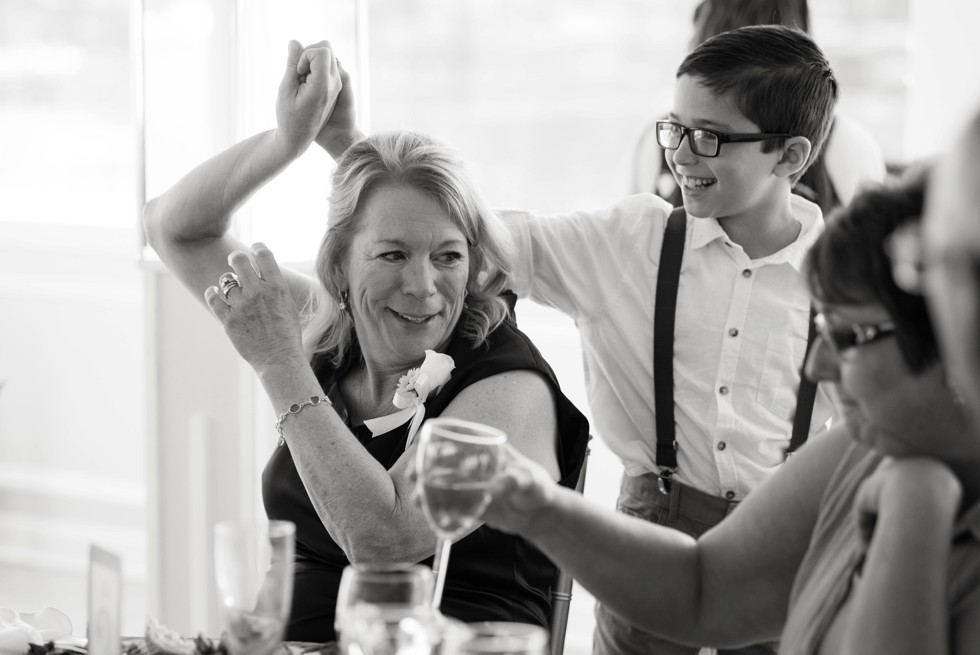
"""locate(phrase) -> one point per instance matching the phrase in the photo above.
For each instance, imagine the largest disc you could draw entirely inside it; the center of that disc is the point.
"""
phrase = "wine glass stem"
(441, 562)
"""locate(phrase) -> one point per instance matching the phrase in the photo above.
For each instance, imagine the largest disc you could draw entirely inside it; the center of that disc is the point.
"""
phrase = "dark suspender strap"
(668, 277)
(806, 396)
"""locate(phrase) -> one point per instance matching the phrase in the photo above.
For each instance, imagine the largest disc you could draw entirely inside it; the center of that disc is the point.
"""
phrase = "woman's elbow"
(381, 548)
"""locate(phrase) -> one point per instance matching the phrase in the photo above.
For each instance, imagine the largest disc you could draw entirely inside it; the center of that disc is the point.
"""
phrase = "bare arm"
(340, 129)
(189, 225)
(369, 511)
(900, 605)
(730, 587)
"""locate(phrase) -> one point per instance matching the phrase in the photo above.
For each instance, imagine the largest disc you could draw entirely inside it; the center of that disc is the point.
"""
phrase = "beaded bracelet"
(296, 408)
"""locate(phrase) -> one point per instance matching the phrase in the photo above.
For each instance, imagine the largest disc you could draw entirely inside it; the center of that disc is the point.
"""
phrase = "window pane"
(68, 154)
(290, 214)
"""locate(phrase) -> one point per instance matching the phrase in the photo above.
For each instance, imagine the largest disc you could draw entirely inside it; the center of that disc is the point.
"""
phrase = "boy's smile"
(741, 181)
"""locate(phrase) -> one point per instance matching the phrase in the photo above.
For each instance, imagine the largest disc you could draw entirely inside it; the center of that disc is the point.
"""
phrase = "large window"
(68, 149)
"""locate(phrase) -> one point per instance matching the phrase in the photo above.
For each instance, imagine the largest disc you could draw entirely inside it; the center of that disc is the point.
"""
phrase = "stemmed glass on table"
(457, 462)
(253, 568)
(384, 609)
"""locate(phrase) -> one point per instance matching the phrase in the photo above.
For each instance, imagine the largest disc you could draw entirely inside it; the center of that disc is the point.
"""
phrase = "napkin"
(18, 629)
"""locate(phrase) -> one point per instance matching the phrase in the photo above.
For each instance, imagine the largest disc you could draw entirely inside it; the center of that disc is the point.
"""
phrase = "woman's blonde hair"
(420, 162)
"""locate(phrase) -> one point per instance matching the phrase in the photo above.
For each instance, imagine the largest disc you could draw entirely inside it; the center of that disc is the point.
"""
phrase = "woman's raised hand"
(307, 95)
(258, 313)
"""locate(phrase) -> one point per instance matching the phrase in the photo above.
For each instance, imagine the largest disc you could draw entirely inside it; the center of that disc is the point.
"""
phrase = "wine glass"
(383, 609)
(505, 638)
(457, 462)
(253, 569)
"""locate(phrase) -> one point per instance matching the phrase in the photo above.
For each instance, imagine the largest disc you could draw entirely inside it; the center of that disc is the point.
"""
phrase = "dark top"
(492, 576)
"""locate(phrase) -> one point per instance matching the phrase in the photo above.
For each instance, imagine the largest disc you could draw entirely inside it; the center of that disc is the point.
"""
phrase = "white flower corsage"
(415, 387)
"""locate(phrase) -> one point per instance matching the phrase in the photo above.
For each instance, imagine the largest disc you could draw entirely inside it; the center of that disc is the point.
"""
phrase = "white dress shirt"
(740, 335)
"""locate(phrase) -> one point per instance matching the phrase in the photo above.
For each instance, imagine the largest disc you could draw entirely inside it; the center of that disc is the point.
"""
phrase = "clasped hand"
(315, 99)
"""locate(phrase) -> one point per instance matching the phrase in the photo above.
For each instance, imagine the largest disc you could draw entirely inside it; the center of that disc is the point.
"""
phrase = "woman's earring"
(343, 301)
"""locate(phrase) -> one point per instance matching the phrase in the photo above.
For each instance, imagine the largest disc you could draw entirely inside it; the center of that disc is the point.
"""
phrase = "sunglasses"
(705, 143)
(851, 335)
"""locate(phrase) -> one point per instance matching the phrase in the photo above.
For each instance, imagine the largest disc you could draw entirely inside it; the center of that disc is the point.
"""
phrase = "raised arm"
(730, 587)
(340, 129)
(189, 225)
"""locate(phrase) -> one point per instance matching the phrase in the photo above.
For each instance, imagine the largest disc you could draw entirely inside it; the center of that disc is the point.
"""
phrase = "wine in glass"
(386, 609)
(253, 568)
(457, 462)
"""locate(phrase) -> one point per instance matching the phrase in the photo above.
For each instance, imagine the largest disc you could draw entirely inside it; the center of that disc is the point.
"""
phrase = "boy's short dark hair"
(778, 78)
(848, 263)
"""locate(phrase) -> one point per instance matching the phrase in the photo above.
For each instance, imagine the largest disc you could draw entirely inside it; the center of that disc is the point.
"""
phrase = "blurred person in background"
(850, 158)
(952, 261)
(413, 263)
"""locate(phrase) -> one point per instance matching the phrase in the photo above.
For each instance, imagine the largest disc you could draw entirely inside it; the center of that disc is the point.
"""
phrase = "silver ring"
(227, 282)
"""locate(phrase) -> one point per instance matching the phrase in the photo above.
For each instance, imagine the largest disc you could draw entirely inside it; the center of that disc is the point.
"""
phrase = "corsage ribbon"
(415, 387)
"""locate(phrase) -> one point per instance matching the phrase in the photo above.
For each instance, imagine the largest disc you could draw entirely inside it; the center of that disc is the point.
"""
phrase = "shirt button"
(730, 495)
(722, 445)
(733, 332)
(723, 390)
(746, 273)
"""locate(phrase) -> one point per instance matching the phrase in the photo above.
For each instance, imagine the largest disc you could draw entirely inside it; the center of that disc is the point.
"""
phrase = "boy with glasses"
(752, 108)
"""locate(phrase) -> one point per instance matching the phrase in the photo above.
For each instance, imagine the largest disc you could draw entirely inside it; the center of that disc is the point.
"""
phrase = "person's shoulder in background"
(853, 157)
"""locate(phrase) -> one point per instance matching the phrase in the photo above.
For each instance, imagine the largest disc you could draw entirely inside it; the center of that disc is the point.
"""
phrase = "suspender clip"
(664, 481)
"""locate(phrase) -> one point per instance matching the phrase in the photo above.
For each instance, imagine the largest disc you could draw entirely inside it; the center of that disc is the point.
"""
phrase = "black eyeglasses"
(705, 143)
(851, 335)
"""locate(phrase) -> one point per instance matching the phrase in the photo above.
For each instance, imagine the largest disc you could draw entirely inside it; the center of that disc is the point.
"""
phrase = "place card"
(104, 602)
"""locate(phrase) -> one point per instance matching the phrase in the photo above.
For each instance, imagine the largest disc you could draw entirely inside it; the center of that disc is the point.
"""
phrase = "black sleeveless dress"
(492, 576)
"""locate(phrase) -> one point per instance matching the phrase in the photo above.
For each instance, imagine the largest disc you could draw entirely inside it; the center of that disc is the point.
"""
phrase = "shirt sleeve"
(574, 262)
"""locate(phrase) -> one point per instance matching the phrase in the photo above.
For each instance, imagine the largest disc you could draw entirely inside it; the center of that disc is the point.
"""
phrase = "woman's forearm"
(367, 510)
(200, 205)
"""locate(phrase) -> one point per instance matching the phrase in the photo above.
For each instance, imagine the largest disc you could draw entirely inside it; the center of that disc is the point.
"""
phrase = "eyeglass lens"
(702, 142)
(843, 337)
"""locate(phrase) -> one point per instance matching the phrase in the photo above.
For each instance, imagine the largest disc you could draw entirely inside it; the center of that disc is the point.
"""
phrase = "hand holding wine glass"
(457, 462)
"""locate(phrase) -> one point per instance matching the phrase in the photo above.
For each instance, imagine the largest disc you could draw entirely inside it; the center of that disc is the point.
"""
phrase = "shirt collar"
(708, 230)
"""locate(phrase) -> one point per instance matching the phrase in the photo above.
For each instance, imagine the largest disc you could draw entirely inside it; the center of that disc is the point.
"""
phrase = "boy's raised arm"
(340, 129)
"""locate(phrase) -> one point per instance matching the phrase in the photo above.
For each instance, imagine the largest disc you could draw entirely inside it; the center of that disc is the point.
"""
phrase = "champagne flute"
(457, 462)
(383, 609)
(253, 568)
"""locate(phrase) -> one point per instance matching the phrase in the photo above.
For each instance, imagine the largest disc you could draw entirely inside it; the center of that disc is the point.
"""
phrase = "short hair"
(776, 76)
(420, 162)
(713, 17)
(848, 263)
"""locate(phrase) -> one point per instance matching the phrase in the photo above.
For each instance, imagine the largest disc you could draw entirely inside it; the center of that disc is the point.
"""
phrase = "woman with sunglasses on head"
(866, 541)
